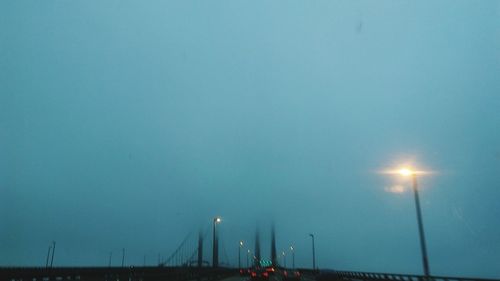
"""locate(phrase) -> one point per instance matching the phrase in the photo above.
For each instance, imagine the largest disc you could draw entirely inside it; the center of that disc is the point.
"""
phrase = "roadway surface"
(271, 278)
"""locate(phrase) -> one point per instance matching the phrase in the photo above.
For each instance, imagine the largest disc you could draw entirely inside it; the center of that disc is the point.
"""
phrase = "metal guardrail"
(353, 275)
(113, 273)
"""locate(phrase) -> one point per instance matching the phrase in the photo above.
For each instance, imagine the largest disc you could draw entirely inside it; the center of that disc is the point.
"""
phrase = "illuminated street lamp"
(215, 244)
(407, 172)
(293, 256)
(239, 254)
(248, 257)
(284, 259)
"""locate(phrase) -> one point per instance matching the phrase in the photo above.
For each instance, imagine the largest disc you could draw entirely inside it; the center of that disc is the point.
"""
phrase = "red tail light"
(265, 274)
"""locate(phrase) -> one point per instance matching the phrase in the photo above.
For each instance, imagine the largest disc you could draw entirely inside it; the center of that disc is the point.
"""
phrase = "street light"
(248, 255)
(215, 244)
(239, 254)
(293, 256)
(408, 172)
(314, 251)
(284, 259)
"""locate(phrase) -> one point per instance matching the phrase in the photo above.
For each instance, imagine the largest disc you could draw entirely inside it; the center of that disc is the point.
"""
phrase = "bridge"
(188, 263)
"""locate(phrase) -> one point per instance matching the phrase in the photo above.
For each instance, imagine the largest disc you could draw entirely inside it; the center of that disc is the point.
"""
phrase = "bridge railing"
(113, 273)
(354, 275)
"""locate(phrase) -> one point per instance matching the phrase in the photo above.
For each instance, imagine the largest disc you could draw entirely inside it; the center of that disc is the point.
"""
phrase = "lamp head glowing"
(405, 172)
(241, 243)
(217, 219)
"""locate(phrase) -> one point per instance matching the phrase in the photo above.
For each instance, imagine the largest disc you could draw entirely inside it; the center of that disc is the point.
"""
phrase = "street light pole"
(53, 250)
(314, 251)
(48, 255)
(423, 247)
(293, 256)
(123, 257)
(284, 259)
(248, 255)
(239, 254)
(215, 244)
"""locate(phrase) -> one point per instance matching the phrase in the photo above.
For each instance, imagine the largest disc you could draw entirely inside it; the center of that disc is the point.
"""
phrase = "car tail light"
(265, 274)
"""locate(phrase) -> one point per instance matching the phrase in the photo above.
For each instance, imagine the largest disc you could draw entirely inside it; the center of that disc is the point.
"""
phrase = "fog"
(129, 124)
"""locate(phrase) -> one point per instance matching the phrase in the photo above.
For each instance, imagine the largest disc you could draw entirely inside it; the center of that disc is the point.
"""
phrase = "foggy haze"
(127, 124)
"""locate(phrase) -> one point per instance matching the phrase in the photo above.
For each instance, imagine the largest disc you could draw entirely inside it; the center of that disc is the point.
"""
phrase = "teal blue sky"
(131, 123)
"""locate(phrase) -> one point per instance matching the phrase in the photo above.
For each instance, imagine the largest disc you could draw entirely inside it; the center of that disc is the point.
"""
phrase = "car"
(291, 275)
(245, 271)
(259, 274)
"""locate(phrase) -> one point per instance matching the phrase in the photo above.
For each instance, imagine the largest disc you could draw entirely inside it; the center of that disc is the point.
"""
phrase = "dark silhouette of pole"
(293, 256)
(48, 255)
(123, 257)
(425, 260)
(314, 251)
(215, 244)
(200, 249)
(53, 250)
(284, 259)
(248, 255)
(109, 261)
(239, 254)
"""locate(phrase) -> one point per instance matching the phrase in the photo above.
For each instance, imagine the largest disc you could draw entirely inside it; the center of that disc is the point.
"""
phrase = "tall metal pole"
(239, 256)
(293, 256)
(215, 246)
(110, 255)
(48, 255)
(314, 252)
(248, 254)
(53, 250)
(425, 261)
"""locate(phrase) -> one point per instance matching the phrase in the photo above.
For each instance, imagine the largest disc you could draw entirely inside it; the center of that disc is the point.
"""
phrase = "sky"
(129, 124)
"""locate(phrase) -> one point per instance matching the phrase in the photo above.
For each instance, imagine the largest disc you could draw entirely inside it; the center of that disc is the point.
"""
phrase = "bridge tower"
(200, 249)
(257, 248)
(274, 259)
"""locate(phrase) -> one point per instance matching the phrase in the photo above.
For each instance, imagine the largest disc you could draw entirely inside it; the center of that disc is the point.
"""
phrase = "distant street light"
(314, 251)
(293, 256)
(248, 257)
(284, 259)
(408, 172)
(215, 244)
(239, 254)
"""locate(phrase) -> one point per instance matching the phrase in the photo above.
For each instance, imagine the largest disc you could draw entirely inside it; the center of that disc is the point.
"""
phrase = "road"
(271, 278)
